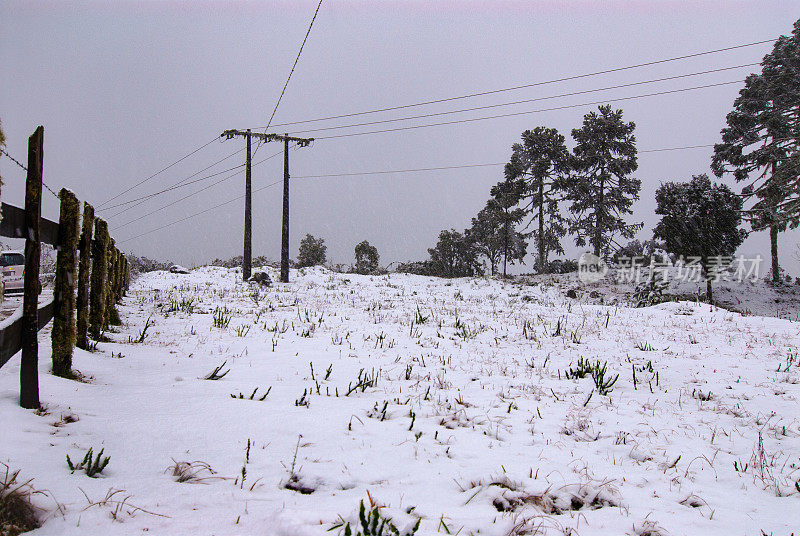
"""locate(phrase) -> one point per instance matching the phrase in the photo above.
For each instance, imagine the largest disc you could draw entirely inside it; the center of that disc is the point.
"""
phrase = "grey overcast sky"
(126, 88)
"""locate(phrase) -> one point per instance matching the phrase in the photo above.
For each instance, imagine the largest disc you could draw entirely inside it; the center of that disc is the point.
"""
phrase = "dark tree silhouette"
(699, 220)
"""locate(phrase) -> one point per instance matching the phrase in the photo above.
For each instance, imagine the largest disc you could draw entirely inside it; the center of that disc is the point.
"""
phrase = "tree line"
(549, 191)
(593, 181)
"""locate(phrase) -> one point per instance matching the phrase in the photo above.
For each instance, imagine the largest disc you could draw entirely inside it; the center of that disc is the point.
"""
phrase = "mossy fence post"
(111, 314)
(97, 298)
(63, 334)
(84, 267)
(118, 276)
(29, 363)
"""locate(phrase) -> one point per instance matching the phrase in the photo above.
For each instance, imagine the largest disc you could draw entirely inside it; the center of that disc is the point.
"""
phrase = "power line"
(191, 195)
(533, 84)
(157, 173)
(360, 173)
(513, 114)
(201, 212)
(179, 184)
(302, 45)
(464, 166)
(169, 189)
(560, 95)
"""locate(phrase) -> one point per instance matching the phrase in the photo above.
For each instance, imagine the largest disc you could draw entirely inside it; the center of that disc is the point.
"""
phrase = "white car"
(13, 266)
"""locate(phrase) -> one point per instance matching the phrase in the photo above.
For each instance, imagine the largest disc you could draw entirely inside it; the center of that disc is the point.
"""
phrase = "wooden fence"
(78, 255)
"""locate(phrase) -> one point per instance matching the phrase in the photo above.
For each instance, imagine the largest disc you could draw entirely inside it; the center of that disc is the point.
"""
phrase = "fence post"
(111, 316)
(127, 274)
(97, 298)
(124, 276)
(63, 335)
(118, 276)
(29, 369)
(84, 267)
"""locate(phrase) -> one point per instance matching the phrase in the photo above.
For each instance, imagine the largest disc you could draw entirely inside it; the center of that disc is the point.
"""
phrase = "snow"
(483, 433)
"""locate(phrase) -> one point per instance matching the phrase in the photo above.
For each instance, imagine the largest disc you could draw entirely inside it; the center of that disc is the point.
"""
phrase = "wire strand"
(157, 173)
(302, 45)
(528, 112)
(201, 190)
(524, 101)
(533, 84)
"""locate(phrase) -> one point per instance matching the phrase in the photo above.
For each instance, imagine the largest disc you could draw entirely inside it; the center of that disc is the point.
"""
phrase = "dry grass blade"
(117, 502)
(17, 513)
(191, 471)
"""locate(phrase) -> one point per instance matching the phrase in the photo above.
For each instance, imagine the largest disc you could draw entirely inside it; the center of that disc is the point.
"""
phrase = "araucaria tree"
(600, 186)
(312, 252)
(506, 196)
(699, 220)
(761, 142)
(540, 163)
(367, 258)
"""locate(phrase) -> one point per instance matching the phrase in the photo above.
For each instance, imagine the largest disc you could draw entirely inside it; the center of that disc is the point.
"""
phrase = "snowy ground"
(471, 424)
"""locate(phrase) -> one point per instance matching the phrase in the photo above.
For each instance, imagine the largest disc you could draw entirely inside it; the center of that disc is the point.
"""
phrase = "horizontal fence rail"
(11, 330)
(13, 225)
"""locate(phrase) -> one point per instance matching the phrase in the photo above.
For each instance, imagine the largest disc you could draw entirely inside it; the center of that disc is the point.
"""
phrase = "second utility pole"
(248, 216)
(285, 224)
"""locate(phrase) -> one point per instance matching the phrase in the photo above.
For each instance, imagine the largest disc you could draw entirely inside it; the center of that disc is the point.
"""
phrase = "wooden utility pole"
(248, 216)
(29, 368)
(285, 224)
(302, 142)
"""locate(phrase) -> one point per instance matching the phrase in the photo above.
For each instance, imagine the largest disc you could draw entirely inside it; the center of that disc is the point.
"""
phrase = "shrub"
(455, 255)
(312, 252)
(367, 258)
(565, 266)
(143, 264)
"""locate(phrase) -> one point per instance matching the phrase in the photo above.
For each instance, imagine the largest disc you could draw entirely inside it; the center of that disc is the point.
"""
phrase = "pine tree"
(600, 186)
(507, 195)
(760, 143)
(540, 162)
(699, 220)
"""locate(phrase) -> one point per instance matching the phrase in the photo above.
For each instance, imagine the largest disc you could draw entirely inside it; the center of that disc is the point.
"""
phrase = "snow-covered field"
(443, 400)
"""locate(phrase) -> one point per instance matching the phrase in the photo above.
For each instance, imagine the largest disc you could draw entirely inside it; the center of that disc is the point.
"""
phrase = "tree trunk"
(709, 293)
(598, 232)
(776, 269)
(505, 249)
(542, 252)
